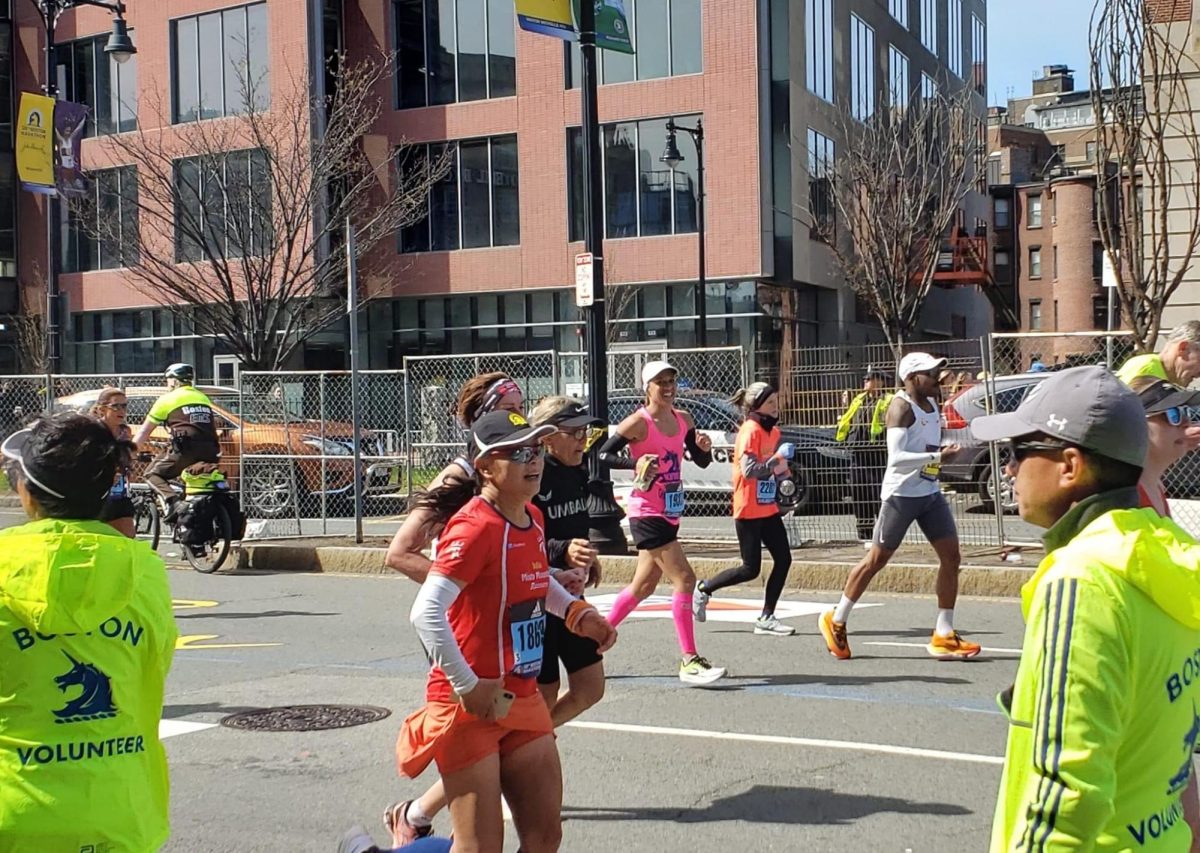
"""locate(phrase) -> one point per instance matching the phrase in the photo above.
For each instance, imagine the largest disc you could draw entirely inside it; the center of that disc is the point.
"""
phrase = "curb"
(821, 575)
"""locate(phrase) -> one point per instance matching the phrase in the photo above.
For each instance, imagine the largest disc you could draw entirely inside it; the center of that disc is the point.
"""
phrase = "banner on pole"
(70, 120)
(612, 25)
(547, 18)
(35, 143)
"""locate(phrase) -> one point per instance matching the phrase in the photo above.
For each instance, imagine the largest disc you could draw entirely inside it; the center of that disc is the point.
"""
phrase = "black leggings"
(752, 534)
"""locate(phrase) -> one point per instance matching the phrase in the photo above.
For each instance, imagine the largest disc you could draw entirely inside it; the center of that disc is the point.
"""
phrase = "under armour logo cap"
(1084, 406)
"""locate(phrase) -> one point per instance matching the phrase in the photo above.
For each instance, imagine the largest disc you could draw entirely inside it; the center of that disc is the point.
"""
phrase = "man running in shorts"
(910, 492)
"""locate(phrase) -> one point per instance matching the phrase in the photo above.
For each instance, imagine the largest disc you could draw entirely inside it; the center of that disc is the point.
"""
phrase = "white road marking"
(888, 749)
(986, 649)
(720, 608)
(170, 728)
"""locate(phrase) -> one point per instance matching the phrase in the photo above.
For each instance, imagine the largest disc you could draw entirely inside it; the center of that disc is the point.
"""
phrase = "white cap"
(652, 369)
(917, 362)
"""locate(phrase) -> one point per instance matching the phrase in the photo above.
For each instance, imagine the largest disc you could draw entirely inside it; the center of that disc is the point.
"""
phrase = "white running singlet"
(924, 436)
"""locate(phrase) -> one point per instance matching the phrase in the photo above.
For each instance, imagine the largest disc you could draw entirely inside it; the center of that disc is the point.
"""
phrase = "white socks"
(945, 622)
(416, 816)
(842, 612)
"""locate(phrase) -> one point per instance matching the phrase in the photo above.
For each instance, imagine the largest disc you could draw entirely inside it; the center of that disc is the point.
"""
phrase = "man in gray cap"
(1105, 712)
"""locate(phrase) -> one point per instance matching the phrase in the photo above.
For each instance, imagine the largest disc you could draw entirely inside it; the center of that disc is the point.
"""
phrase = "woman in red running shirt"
(481, 617)
(1172, 435)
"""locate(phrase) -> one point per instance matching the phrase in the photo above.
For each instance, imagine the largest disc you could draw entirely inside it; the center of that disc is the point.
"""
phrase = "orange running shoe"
(952, 647)
(835, 635)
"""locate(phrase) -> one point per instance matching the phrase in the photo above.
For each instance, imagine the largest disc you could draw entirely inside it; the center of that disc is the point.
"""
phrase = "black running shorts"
(651, 532)
(559, 644)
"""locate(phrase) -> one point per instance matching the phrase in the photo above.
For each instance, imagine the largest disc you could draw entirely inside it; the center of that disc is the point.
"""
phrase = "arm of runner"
(612, 455)
(579, 616)
(906, 460)
(700, 446)
(428, 617)
(404, 553)
(144, 431)
(1076, 730)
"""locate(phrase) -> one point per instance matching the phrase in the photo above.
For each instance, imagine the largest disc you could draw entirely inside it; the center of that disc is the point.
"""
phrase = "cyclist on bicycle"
(188, 415)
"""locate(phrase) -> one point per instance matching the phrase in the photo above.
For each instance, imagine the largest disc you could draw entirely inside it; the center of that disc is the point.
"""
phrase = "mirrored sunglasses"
(523, 455)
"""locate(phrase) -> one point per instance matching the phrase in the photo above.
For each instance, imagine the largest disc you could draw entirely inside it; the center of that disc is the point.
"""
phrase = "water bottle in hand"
(786, 450)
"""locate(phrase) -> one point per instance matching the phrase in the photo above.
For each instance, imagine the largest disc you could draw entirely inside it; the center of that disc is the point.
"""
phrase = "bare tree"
(1147, 152)
(29, 326)
(240, 221)
(884, 203)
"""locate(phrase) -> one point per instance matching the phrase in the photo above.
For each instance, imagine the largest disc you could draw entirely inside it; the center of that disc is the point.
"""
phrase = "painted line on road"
(818, 743)
(171, 728)
(986, 649)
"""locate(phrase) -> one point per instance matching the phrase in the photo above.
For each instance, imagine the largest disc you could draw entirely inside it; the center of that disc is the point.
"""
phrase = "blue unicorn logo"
(1179, 781)
(94, 702)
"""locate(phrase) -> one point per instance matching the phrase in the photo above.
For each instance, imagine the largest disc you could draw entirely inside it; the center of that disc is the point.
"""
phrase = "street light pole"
(120, 47)
(673, 158)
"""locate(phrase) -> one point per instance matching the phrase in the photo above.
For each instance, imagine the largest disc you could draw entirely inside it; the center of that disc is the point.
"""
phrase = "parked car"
(274, 486)
(821, 466)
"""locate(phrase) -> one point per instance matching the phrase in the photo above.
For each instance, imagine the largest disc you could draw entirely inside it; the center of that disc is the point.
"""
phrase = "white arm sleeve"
(558, 599)
(428, 616)
(906, 460)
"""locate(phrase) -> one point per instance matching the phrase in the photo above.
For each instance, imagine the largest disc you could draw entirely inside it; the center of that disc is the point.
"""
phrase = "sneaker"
(700, 604)
(952, 647)
(772, 627)
(395, 818)
(357, 840)
(835, 635)
(697, 670)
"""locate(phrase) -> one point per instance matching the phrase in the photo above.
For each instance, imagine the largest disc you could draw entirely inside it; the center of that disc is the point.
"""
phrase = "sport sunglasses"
(523, 455)
(1022, 449)
(1176, 415)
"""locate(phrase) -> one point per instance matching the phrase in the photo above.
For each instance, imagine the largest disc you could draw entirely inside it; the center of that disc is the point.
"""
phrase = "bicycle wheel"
(217, 548)
(147, 523)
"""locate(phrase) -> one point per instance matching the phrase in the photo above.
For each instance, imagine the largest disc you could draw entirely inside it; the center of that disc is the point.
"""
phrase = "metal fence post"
(987, 347)
(324, 416)
(408, 426)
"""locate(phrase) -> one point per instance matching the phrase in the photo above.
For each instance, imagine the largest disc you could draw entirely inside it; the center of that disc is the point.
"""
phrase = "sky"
(1024, 35)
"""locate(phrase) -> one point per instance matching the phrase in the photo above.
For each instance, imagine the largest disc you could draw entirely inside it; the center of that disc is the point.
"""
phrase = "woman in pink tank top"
(657, 436)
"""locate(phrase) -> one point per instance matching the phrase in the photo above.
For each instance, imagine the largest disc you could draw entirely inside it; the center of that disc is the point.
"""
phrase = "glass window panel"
(83, 78)
(440, 50)
(237, 61)
(104, 116)
(686, 182)
(262, 231)
(410, 52)
(541, 307)
(687, 47)
(472, 51)
(212, 198)
(655, 178)
(502, 48)
(124, 96)
(575, 73)
(212, 86)
(653, 25)
(108, 191)
(622, 67)
(506, 207)
(620, 179)
(6, 89)
(258, 39)
(576, 213)
(443, 207)
(187, 209)
(236, 222)
(476, 198)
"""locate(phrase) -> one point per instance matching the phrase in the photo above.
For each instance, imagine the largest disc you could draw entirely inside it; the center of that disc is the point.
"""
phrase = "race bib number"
(527, 627)
(932, 470)
(673, 500)
(766, 491)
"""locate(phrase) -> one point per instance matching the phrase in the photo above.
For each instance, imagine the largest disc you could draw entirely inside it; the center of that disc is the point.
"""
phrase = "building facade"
(490, 266)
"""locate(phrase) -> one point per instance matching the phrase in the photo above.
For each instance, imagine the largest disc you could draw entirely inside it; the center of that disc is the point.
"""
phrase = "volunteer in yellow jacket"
(862, 428)
(86, 639)
(1178, 363)
(1105, 712)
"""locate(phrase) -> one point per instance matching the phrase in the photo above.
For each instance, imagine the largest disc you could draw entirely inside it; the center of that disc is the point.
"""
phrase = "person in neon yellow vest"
(862, 427)
(1178, 363)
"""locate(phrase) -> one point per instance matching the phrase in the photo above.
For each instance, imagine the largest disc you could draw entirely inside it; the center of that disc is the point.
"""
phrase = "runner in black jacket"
(562, 499)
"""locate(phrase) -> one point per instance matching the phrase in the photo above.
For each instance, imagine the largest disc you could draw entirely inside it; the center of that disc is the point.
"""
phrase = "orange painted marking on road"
(200, 641)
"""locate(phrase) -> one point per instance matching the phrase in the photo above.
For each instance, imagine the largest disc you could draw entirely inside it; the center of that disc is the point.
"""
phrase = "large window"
(954, 37)
(668, 36)
(476, 204)
(454, 50)
(862, 69)
(1002, 267)
(1035, 262)
(979, 55)
(821, 203)
(113, 201)
(898, 85)
(818, 24)
(1035, 315)
(929, 25)
(1003, 213)
(899, 10)
(1034, 219)
(223, 202)
(220, 63)
(87, 75)
(643, 197)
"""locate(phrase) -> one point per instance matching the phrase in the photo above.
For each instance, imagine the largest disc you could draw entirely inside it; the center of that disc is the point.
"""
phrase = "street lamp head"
(671, 155)
(120, 46)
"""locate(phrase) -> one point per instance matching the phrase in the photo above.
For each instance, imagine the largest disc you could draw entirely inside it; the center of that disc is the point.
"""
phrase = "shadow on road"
(774, 804)
(264, 614)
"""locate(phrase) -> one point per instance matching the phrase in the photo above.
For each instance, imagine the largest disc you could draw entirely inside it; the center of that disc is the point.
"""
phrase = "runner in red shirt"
(481, 617)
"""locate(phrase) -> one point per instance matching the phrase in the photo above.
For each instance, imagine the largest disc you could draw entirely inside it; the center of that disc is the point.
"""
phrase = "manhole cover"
(305, 718)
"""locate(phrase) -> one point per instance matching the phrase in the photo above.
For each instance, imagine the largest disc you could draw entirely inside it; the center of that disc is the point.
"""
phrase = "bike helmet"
(182, 372)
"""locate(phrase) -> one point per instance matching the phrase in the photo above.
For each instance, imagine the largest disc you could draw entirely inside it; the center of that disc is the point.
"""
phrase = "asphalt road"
(891, 751)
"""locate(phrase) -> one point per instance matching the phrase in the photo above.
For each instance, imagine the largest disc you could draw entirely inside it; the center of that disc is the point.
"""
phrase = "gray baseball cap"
(1084, 406)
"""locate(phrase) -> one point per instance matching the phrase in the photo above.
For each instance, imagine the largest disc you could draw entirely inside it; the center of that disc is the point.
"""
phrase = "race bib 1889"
(527, 627)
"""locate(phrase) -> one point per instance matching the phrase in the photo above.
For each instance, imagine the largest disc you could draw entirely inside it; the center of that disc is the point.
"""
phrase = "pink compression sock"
(624, 604)
(685, 629)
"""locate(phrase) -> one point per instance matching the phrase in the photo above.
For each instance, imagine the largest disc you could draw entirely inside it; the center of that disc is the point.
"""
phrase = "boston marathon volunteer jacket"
(86, 639)
(1105, 711)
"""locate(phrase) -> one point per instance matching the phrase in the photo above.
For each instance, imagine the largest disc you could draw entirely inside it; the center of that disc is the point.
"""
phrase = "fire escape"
(963, 261)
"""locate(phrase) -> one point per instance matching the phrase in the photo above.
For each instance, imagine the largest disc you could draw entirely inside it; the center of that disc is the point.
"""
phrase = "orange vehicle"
(288, 460)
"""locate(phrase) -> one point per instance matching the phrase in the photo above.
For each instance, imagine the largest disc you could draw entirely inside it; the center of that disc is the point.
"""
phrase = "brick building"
(491, 267)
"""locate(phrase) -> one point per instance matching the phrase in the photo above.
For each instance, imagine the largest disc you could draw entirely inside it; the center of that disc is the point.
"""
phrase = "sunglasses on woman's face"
(120, 407)
(1176, 415)
(523, 455)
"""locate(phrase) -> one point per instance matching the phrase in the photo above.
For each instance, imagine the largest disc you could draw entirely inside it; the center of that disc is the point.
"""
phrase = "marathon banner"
(35, 143)
(612, 25)
(70, 120)
(547, 18)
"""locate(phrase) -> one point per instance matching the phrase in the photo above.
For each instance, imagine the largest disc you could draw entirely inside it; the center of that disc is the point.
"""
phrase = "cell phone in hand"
(502, 704)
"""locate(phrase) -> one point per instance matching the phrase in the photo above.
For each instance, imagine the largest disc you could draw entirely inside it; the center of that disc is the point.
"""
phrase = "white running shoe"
(771, 626)
(698, 671)
(700, 604)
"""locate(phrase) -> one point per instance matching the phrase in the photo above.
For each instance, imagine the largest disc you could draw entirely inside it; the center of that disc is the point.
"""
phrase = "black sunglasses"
(1022, 449)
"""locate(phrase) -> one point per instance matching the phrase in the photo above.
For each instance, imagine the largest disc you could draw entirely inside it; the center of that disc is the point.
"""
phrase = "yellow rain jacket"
(1105, 711)
(86, 639)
